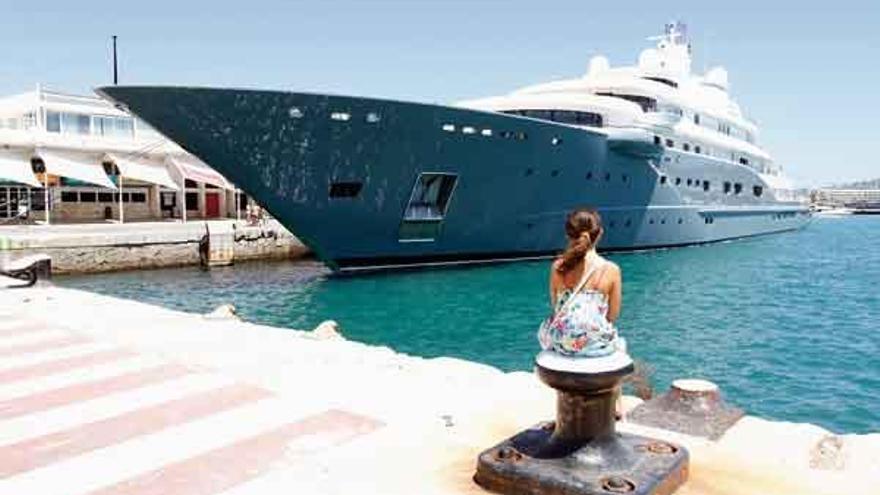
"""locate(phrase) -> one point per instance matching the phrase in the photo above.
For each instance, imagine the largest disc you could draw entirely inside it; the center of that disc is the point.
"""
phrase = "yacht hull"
(339, 172)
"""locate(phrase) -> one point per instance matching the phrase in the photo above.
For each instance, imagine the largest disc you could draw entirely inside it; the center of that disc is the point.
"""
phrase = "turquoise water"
(786, 324)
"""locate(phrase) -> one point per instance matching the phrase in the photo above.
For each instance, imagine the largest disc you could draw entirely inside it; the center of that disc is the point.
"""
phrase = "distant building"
(89, 161)
(846, 197)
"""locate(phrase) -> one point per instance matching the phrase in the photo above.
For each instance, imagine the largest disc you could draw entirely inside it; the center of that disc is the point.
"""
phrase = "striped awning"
(143, 169)
(75, 165)
(16, 167)
(194, 169)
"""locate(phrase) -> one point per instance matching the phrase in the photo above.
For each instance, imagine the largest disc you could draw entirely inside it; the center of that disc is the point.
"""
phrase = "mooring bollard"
(691, 406)
(581, 452)
(29, 269)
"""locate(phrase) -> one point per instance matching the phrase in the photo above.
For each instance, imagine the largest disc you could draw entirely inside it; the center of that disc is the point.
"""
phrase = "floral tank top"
(579, 324)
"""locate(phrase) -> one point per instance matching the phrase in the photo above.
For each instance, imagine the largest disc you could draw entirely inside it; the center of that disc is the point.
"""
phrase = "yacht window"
(647, 104)
(758, 190)
(589, 175)
(521, 136)
(706, 185)
(686, 146)
(607, 176)
(468, 130)
(737, 188)
(678, 181)
(75, 123)
(449, 127)
(744, 161)
(663, 179)
(697, 118)
(345, 189)
(571, 117)
(486, 132)
(661, 80)
(670, 143)
(689, 182)
(340, 116)
(727, 188)
(373, 117)
(697, 149)
(657, 140)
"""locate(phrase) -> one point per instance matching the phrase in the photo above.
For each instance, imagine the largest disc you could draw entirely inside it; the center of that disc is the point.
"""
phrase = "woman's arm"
(554, 283)
(615, 293)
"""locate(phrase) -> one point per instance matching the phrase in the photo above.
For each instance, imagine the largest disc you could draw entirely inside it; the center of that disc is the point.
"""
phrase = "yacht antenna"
(115, 64)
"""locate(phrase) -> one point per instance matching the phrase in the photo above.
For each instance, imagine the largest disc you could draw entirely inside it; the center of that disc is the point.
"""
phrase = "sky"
(808, 75)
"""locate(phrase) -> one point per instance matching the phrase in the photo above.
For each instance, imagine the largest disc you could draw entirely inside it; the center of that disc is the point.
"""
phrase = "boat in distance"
(665, 156)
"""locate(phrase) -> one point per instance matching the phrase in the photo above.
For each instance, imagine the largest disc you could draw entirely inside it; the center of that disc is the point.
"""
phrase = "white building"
(90, 161)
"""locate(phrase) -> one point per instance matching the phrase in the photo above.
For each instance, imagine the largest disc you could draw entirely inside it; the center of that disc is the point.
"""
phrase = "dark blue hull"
(340, 172)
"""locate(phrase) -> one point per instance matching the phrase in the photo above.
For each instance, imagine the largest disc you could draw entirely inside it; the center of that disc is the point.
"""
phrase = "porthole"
(657, 140)
(373, 117)
(556, 141)
(611, 224)
(678, 181)
(689, 182)
(680, 221)
(295, 113)
(663, 179)
(651, 221)
(449, 127)
(589, 175)
(554, 173)
(758, 191)
(737, 188)
(624, 177)
(627, 223)
(663, 222)
(529, 172)
(468, 130)
(706, 185)
(521, 136)
(607, 176)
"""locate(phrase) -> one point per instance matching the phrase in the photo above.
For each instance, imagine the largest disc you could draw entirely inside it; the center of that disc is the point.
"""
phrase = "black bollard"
(581, 452)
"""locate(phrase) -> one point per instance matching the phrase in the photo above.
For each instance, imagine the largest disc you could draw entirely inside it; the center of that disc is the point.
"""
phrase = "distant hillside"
(865, 184)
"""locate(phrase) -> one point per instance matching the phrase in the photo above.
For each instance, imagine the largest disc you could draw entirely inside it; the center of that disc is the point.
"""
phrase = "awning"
(74, 165)
(16, 167)
(194, 169)
(143, 169)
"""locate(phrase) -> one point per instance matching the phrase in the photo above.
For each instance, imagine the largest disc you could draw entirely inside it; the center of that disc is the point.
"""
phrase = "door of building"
(212, 205)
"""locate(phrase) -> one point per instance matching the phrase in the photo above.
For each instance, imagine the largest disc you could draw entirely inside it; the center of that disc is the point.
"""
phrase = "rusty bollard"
(582, 452)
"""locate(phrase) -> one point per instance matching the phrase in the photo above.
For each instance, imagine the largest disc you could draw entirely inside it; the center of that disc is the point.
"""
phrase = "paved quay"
(106, 396)
(102, 247)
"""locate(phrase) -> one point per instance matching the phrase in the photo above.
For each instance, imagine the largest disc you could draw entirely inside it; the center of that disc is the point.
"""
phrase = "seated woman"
(585, 291)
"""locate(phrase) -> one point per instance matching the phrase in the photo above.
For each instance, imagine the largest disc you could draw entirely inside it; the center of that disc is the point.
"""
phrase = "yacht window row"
(519, 135)
(572, 117)
(728, 187)
(753, 163)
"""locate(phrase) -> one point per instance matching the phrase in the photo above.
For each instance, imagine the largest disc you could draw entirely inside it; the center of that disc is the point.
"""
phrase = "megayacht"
(666, 156)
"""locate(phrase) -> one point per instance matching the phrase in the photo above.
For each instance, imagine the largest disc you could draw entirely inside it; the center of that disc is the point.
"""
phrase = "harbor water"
(785, 324)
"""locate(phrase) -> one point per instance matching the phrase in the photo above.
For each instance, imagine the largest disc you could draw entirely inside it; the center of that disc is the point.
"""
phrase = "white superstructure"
(689, 112)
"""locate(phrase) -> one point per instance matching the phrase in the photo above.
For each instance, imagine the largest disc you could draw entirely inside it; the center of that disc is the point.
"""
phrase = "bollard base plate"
(528, 464)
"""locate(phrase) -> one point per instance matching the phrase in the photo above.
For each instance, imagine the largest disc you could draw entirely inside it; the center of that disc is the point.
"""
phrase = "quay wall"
(95, 249)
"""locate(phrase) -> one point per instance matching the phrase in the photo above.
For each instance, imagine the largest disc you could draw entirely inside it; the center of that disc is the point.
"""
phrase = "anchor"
(581, 452)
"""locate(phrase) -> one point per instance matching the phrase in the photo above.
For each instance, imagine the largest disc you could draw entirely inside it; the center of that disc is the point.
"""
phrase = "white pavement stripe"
(90, 471)
(58, 419)
(47, 334)
(9, 362)
(77, 376)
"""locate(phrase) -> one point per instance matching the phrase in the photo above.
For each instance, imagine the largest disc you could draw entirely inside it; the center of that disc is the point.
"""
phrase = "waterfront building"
(89, 161)
(846, 197)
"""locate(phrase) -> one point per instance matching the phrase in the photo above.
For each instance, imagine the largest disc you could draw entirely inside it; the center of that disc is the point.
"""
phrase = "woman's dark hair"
(583, 227)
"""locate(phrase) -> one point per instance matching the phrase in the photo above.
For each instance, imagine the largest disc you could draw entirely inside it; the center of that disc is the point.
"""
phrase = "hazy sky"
(808, 75)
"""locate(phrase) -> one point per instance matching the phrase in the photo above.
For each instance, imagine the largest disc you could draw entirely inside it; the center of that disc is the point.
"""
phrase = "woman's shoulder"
(611, 267)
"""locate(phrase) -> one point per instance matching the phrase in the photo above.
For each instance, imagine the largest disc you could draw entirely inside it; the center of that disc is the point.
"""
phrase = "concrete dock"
(106, 396)
(102, 247)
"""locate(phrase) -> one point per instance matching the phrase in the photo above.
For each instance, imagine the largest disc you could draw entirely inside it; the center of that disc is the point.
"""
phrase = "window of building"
(53, 121)
(345, 189)
(190, 183)
(138, 197)
(192, 201)
(105, 197)
(727, 188)
(87, 197)
(69, 196)
(737, 188)
(76, 123)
